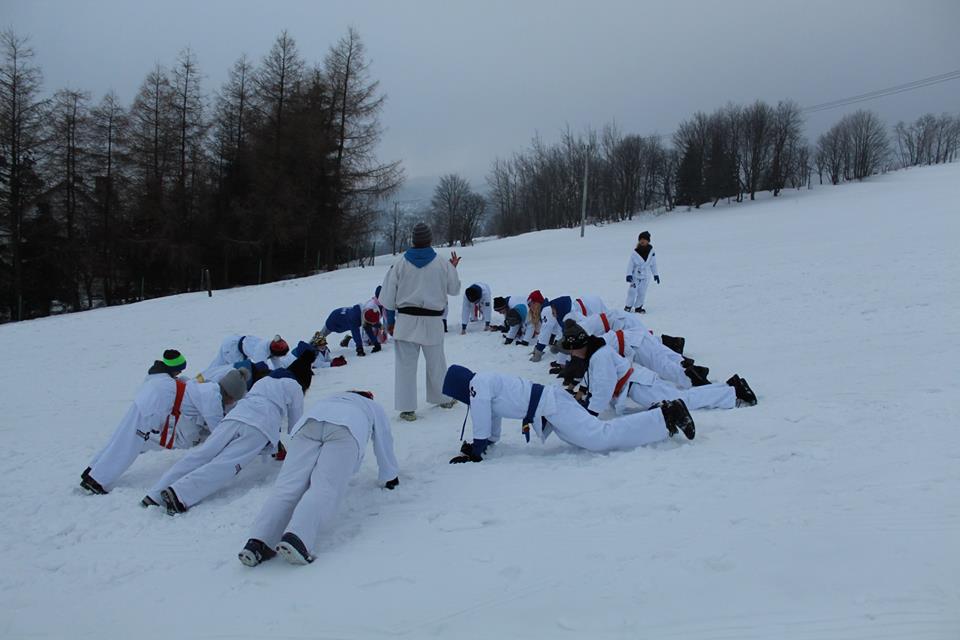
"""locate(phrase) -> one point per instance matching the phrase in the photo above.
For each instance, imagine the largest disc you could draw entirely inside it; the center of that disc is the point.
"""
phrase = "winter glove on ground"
(508, 341)
(392, 484)
(339, 361)
(523, 343)
(555, 368)
(656, 279)
(629, 278)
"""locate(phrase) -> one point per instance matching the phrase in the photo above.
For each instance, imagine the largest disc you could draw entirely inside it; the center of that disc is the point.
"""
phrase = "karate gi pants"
(574, 425)
(321, 458)
(637, 292)
(662, 361)
(710, 396)
(211, 466)
(405, 387)
(128, 441)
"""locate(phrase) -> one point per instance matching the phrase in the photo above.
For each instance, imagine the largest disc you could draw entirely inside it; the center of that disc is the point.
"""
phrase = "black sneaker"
(255, 552)
(678, 418)
(293, 550)
(639, 310)
(745, 395)
(148, 502)
(172, 502)
(627, 308)
(675, 344)
(87, 483)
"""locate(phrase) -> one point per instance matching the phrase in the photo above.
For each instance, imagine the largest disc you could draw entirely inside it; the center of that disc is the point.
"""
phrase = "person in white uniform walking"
(326, 450)
(417, 287)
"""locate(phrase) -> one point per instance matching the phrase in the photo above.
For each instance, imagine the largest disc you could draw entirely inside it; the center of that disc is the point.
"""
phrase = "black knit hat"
(422, 236)
(644, 235)
(172, 363)
(499, 303)
(302, 368)
(574, 336)
(474, 293)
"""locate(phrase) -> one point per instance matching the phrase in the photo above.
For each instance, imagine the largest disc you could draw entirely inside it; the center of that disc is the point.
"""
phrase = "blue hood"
(420, 257)
(456, 384)
(561, 306)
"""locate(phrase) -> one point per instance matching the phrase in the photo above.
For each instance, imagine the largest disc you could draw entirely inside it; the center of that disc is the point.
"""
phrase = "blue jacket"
(349, 319)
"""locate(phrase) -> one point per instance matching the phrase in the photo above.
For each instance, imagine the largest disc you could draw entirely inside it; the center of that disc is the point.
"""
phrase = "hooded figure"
(416, 287)
(641, 267)
(477, 302)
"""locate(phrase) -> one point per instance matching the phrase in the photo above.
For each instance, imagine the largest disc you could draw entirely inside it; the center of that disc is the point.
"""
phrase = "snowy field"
(830, 510)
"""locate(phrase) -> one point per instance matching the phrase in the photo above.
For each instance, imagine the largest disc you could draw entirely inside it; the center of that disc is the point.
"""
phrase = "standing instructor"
(417, 287)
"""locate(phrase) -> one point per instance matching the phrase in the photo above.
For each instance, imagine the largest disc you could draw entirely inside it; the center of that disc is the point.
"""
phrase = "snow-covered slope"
(831, 510)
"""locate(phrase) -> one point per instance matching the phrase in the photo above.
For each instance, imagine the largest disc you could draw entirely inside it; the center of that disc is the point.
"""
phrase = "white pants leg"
(631, 295)
(335, 463)
(209, 477)
(575, 426)
(711, 396)
(196, 458)
(642, 285)
(302, 453)
(436, 371)
(127, 442)
(652, 355)
(406, 358)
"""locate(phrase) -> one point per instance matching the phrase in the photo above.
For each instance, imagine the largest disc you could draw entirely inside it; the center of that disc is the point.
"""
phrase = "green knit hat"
(174, 360)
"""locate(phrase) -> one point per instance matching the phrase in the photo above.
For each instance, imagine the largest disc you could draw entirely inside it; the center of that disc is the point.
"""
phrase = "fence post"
(206, 272)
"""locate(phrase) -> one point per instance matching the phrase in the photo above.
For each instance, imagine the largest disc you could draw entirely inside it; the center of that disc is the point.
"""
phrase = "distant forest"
(276, 174)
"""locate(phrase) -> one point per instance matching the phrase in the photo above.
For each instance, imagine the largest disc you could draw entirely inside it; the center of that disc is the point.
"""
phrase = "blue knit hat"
(456, 384)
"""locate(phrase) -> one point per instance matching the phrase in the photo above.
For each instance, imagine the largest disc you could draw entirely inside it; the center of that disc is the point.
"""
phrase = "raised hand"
(454, 259)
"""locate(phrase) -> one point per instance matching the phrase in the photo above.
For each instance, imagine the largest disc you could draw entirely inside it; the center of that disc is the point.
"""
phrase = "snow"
(830, 510)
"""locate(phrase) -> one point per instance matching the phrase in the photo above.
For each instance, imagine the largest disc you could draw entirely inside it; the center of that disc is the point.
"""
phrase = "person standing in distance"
(417, 287)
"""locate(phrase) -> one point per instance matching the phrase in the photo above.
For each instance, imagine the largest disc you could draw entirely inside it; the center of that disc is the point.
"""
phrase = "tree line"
(102, 202)
(730, 154)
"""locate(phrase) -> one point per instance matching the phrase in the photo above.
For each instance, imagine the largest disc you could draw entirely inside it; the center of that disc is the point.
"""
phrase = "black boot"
(89, 484)
(255, 552)
(639, 310)
(697, 375)
(172, 502)
(678, 418)
(672, 343)
(293, 550)
(686, 362)
(376, 348)
(745, 395)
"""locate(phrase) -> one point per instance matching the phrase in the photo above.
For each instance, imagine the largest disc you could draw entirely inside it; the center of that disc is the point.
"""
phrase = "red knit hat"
(535, 296)
(279, 346)
(371, 316)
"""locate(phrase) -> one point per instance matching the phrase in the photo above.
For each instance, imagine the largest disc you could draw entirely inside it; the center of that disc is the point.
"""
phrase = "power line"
(881, 93)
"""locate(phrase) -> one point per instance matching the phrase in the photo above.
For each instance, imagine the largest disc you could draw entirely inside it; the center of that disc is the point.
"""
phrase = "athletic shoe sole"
(291, 555)
(248, 558)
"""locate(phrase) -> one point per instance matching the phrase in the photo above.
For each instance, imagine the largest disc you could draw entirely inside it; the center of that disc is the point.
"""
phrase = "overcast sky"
(468, 81)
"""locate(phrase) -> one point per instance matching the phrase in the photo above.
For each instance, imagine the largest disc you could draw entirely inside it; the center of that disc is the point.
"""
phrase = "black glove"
(508, 341)
(656, 279)
(360, 351)
(555, 368)
(523, 343)
(376, 348)
(392, 484)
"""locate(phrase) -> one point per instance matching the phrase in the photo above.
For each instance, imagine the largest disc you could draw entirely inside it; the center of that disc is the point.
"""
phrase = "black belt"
(417, 311)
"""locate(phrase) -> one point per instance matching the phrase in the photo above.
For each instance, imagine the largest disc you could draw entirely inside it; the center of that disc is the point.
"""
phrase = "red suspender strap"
(168, 435)
(622, 382)
(606, 323)
(583, 307)
(620, 342)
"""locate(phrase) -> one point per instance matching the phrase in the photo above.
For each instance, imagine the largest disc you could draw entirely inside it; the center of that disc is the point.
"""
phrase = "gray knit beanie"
(422, 236)
(233, 386)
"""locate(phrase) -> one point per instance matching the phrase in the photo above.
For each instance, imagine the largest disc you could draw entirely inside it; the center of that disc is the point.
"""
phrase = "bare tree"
(447, 206)
(108, 123)
(21, 119)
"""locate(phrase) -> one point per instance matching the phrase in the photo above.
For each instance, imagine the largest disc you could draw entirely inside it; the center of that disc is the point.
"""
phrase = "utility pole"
(583, 206)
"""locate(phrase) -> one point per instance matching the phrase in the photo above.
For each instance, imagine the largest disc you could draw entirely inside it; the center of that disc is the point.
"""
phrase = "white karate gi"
(523, 331)
(642, 271)
(612, 379)
(253, 424)
(140, 427)
(425, 287)
(326, 450)
(551, 325)
(485, 303)
(495, 396)
(253, 349)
